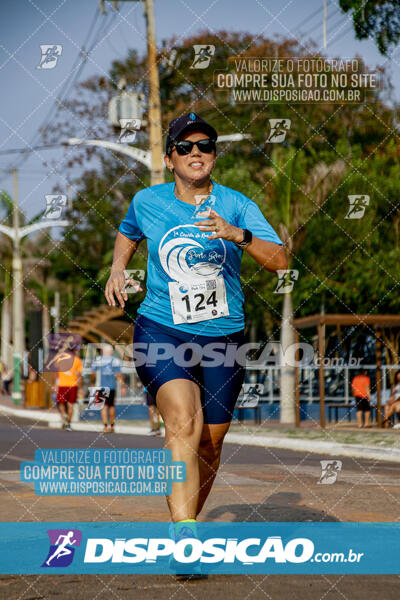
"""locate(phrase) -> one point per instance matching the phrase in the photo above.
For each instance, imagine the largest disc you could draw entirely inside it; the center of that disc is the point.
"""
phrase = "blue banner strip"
(219, 548)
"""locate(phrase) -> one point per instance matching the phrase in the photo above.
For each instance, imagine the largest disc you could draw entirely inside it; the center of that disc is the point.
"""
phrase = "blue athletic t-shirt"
(177, 249)
(108, 367)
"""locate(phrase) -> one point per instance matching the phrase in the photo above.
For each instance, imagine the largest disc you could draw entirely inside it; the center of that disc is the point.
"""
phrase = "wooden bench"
(336, 406)
(257, 413)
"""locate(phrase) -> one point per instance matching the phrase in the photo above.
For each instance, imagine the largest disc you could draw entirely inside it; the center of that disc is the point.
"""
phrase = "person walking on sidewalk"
(69, 383)
(7, 378)
(109, 369)
(360, 387)
(154, 414)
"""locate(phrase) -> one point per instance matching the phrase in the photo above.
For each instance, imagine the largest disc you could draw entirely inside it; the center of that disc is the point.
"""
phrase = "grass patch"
(386, 439)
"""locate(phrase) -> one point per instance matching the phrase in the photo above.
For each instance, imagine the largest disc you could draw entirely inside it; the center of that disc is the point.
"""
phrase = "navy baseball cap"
(189, 122)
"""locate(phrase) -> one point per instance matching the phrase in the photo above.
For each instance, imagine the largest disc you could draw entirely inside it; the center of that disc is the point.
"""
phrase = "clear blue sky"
(28, 94)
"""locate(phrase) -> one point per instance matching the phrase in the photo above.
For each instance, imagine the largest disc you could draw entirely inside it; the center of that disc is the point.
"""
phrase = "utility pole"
(154, 107)
(324, 22)
(17, 299)
(155, 129)
(56, 312)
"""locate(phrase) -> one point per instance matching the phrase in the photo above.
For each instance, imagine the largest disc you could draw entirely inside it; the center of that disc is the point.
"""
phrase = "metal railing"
(337, 382)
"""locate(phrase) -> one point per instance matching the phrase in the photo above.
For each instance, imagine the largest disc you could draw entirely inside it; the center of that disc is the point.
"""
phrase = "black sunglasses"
(185, 147)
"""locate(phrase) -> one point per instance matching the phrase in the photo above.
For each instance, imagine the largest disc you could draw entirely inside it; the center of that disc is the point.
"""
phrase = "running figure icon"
(62, 549)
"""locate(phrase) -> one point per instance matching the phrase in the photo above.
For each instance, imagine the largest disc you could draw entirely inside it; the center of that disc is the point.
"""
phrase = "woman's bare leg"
(389, 410)
(209, 458)
(151, 417)
(179, 404)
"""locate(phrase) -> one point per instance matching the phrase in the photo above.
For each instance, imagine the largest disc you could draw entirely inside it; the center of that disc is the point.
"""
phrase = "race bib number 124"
(198, 301)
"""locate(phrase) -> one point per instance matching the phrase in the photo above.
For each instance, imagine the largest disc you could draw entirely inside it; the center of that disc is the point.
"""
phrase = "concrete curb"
(35, 415)
(267, 441)
(317, 446)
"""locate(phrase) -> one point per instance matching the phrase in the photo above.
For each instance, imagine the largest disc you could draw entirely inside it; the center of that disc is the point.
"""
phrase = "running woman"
(196, 232)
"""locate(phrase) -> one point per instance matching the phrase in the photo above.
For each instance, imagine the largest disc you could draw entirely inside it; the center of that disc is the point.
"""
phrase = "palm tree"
(6, 253)
(36, 265)
(297, 196)
(36, 253)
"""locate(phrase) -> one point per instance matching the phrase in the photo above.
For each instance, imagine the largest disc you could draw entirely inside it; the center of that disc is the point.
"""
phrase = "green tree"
(379, 19)
(298, 190)
(82, 261)
(294, 184)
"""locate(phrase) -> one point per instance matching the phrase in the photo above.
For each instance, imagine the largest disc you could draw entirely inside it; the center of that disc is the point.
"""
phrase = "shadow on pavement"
(283, 507)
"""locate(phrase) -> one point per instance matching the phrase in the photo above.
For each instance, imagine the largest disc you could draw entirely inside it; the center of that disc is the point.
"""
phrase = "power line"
(318, 26)
(82, 58)
(338, 23)
(28, 150)
(343, 34)
(310, 17)
(79, 63)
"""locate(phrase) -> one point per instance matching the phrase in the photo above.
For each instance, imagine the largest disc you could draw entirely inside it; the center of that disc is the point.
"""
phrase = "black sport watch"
(247, 238)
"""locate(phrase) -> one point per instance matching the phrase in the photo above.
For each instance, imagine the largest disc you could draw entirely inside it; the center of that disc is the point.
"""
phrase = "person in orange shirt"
(360, 388)
(69, 380)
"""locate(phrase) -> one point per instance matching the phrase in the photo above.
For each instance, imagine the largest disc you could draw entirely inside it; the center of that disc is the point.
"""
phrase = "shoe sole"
(193, 577)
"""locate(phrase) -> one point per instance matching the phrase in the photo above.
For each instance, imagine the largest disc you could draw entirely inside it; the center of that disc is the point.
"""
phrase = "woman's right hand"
(116, 284)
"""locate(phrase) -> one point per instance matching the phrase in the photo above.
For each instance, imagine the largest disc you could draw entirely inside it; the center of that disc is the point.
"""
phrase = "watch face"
(247, 237)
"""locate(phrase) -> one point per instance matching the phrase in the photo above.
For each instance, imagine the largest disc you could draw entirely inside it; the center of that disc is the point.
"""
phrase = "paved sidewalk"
(254, 483)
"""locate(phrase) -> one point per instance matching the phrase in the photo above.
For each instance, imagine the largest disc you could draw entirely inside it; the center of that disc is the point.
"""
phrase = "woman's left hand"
(219, 227)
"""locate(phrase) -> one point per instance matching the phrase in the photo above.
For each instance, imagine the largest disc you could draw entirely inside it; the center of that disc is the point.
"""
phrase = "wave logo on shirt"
(186, 254)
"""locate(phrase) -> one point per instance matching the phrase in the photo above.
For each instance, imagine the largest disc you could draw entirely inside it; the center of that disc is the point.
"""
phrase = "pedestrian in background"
(393, 405)
(153, 413)
(7, 378)
(68, 383)
(360, 388)
(109, 369)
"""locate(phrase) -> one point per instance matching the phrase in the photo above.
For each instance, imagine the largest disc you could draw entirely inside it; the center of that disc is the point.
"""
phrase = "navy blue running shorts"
(219, 385)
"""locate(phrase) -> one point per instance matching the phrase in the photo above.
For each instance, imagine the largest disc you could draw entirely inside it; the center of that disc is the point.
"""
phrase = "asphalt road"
(254, 484)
